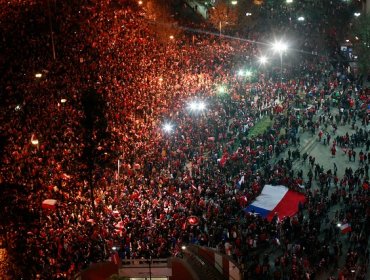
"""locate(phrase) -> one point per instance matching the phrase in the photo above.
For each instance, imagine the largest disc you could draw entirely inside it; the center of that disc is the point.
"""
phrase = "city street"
(310, 144)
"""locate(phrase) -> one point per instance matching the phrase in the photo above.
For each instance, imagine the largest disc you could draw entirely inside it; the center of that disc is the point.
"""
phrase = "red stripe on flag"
(288, 206)
(345, 228)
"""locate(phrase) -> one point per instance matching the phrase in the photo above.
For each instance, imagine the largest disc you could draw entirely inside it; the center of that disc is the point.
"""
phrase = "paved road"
(322, 153)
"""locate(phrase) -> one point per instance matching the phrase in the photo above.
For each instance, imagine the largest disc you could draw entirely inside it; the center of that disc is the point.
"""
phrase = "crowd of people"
(142, 204)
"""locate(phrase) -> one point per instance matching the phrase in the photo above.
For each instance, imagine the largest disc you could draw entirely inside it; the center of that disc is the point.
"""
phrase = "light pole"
(280, 47)
(168, 128)
(51, 30)
(197, 107)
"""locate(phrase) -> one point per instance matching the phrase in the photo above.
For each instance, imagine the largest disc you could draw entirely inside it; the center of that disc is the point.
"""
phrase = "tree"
(248, 14)
(161, 14)
(362, 46)
(223, 15)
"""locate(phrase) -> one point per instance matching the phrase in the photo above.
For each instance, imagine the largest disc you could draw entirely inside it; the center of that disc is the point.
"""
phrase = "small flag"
(241, 181)
(193, 220)
(345, 228)
(49, 204)
(223, 160)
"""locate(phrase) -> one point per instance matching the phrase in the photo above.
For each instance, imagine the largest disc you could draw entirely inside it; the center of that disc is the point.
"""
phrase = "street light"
(167, 127)
(262, 60)
(244, 73)
(280, 47)
(301, 19)
(197, 106)
(221, 89)
(289, 1)
(234, 2)
(357, 14)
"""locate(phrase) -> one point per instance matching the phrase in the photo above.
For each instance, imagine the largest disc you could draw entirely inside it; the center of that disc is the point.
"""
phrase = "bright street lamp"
(168, 127)
(289, 1)
(234, 2)
(357, 14)
(280, 47)
(262, 60)
(301, 19)
(197, 106)
(221, 89)
(244, 73)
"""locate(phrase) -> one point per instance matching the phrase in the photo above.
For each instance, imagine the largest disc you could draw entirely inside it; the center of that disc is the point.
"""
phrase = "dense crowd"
(142, 205)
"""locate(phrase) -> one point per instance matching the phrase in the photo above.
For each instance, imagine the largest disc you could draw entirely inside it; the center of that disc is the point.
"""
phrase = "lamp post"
(168, 128)
(51, 30)
(197, 107)
(280, 47)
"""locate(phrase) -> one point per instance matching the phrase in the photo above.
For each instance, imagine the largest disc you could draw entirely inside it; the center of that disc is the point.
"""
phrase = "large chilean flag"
(276, 199)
